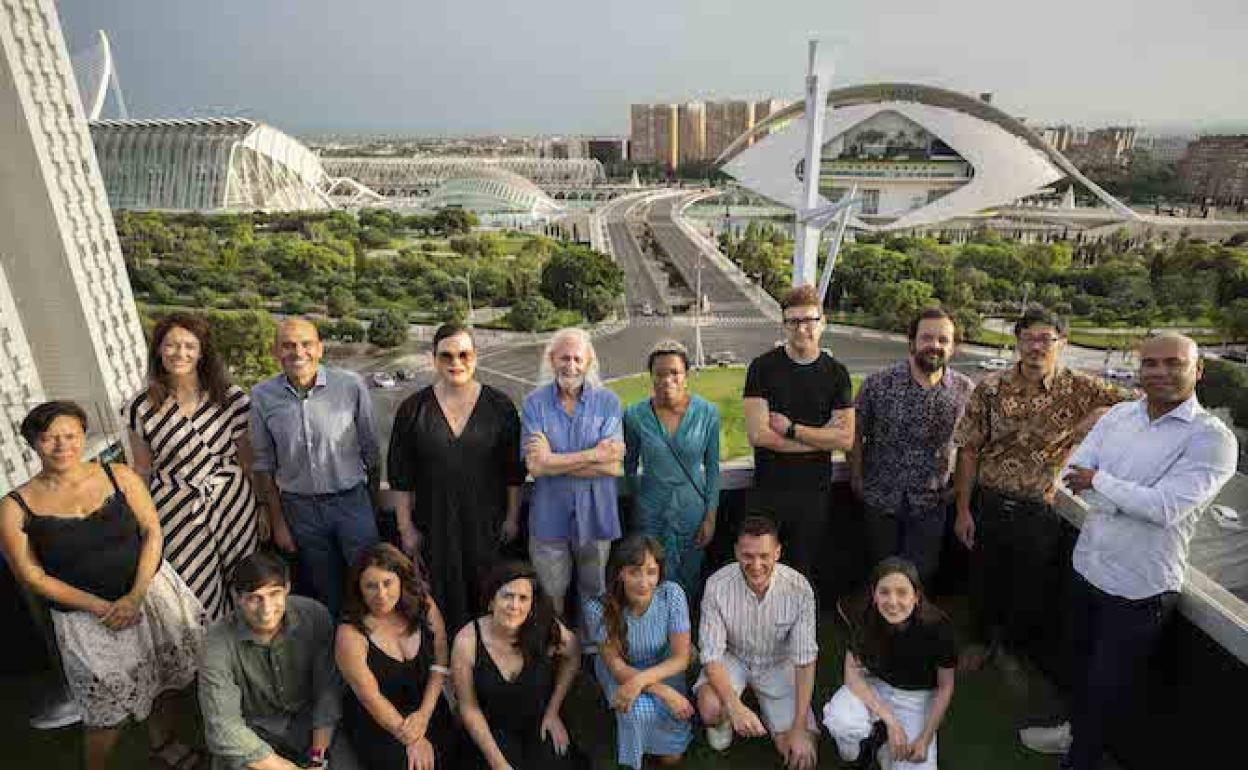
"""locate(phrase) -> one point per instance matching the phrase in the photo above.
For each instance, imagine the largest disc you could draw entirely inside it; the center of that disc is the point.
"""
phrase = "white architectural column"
(66, 284)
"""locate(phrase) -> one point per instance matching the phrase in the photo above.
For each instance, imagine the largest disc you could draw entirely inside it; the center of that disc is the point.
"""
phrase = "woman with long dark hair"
(189, 437)
(899, 674)
(391, 650)
(512, 670)
(641, 627)
(455, 462)
(673, 436)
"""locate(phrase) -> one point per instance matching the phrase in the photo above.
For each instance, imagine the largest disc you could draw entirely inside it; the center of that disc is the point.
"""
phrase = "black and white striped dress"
(205, 501)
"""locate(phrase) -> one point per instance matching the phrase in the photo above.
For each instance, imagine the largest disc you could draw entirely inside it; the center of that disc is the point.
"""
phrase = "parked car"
(382, 380)
(1111, 373)
(722, 358)
(994, 364)
(647, 309)
(404, 375)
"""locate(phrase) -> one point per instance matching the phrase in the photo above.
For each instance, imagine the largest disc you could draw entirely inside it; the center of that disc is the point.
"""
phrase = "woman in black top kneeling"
(512, 670)
(899, 674)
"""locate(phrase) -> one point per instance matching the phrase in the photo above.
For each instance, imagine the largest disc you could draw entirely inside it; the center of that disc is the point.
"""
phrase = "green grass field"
(719, 385)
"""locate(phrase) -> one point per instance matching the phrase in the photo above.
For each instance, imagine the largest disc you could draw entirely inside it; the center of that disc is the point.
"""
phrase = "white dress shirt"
(1153, 479)
(762, 633)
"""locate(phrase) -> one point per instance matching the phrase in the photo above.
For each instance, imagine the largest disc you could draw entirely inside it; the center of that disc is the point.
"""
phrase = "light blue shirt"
(316, 444)
(567, 507)
(1153, 479)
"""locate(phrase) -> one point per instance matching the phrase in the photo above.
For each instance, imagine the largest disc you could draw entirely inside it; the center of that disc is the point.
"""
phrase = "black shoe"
(868, 748)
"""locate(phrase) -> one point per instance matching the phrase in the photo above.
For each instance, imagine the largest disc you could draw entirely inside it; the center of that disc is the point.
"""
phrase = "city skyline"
(429, 69)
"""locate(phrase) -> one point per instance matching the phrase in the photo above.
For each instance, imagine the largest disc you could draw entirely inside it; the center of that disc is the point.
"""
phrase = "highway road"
(726, 296)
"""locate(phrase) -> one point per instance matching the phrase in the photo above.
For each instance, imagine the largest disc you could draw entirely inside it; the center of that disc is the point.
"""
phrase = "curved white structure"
(918, 155)
(207, 164)
(403, 177)
(494, 191)
(96, 73)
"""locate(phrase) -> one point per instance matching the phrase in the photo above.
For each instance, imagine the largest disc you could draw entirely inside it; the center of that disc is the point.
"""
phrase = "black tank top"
(97, 553)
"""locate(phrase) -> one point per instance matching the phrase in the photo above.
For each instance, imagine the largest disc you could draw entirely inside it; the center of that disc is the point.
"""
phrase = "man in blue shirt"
(315, 459)
(1146, 472)
(574, 447)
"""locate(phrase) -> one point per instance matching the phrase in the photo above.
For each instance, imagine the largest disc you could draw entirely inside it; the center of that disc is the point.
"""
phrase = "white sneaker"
(1047, 740)
(56, 715)
(720, 736)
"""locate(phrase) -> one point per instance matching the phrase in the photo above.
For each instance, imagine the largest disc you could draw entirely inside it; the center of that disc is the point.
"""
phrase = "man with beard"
(1012, 441)
(573, 444)
(902, 461)
(1146, 472)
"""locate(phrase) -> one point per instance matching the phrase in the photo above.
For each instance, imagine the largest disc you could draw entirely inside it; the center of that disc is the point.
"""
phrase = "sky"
(453, 67)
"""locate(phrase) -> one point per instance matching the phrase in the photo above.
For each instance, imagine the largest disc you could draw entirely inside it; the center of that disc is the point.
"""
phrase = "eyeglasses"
(793, 323)
(464, 356)
(1039, 340)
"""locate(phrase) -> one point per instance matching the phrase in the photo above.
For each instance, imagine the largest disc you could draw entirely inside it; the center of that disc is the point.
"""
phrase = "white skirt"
(115, 675)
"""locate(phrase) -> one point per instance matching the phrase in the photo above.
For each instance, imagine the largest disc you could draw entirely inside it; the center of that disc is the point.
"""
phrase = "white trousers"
(850, 721)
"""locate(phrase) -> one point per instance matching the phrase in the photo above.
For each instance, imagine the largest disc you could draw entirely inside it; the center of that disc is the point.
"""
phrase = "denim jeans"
(1111, 640)
(915, 535)
(330, 532)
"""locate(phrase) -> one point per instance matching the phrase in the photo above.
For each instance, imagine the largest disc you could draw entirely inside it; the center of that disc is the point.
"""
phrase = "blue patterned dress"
(648, 727)
(678, 483)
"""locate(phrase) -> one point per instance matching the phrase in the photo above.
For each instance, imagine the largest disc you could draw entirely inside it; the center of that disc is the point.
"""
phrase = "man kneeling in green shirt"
(268, 687)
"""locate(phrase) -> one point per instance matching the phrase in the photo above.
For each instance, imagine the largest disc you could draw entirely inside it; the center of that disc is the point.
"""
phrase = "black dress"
(403, 684)
(459, 489)
(514, 711)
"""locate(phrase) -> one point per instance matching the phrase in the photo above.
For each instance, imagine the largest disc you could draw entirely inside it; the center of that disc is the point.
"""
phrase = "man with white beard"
(573, 444)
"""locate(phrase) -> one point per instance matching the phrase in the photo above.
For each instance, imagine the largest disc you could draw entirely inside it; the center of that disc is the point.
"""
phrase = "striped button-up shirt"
(317, 442)
(762, 633)
(1153, 478)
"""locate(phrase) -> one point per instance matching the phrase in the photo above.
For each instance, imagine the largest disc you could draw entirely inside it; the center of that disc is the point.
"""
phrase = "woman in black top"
(392, 651)
(512, 670)
(85, 537)
(899, 674)
(455, 459)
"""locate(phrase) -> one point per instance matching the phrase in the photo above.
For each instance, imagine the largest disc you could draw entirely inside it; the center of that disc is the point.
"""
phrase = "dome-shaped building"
(493, 190)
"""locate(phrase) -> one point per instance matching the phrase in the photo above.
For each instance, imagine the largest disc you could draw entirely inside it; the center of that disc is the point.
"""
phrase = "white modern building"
(413, 177)
(207, 164)
(917, 156)
(69, 328)
(494, 191)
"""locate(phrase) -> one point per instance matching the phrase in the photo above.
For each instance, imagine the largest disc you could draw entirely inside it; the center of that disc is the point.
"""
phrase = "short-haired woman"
(512, 670)
(674, 437)
(85, 537)
(391, 649)
(899, 674)
(189, 437)
(641, 627)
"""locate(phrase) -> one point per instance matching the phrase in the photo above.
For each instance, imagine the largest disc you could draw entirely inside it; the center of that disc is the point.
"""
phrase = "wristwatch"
(791, 433)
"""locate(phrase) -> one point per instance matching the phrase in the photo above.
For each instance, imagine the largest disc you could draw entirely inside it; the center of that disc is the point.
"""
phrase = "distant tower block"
(69, 328)
(96, 73)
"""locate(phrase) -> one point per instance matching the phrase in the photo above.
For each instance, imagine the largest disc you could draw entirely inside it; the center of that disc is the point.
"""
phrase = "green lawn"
(719, 385)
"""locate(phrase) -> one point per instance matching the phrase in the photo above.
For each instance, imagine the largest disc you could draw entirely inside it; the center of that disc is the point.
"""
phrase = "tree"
(1233, 321)
(530, 313)
(388, 330)
(340, 302)
(350, 330)
(898, 303)
(579, 278)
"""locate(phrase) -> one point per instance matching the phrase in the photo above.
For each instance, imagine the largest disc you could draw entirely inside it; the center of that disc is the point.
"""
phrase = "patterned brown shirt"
(1023, 432)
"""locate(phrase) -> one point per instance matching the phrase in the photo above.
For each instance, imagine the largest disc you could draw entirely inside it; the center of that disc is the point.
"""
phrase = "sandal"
(175, 755)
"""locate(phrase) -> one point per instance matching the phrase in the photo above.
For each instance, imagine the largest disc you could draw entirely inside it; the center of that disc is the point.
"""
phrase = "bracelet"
(435, 668)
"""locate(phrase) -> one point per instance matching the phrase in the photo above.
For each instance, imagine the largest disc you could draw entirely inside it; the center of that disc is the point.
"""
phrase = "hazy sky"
(573, 66)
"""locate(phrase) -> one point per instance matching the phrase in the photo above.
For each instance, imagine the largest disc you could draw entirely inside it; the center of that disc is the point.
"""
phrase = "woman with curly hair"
(391, 650)
(189, 439)
(512, 670)
(641, 626)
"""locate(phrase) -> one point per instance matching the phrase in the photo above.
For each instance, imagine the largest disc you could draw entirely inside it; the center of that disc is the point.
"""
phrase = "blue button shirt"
(318, 443)
(565, 507)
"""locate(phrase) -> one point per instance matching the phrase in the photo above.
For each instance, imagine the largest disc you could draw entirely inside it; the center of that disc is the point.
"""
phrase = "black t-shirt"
(807, 394)
(911, 654)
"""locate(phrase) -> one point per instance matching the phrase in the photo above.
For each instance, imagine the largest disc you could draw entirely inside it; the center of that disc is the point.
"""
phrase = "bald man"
(1146, 472)
(316, 460)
